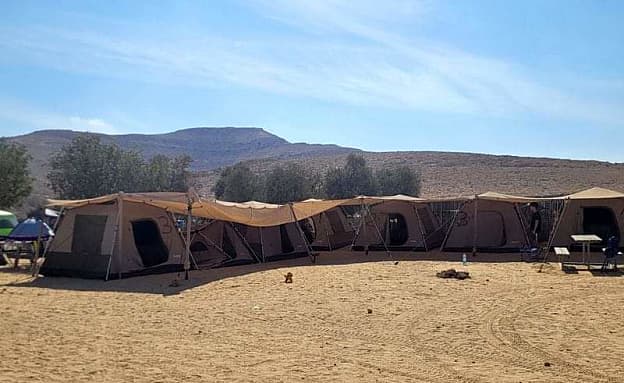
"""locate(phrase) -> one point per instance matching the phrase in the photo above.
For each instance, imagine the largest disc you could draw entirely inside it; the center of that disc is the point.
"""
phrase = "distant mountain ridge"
(210, 148)
(444, 173)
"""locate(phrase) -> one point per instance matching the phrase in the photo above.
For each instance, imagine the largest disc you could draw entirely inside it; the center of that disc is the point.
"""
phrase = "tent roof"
(30, 230)
(494, 196)
(175, 202)
(594, 193)
(4, 212)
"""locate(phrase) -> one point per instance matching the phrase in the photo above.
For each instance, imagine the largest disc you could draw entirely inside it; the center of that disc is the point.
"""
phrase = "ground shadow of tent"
(161, 284)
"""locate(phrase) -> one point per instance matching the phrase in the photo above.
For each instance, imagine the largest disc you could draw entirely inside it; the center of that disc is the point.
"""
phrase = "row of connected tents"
(127, 234)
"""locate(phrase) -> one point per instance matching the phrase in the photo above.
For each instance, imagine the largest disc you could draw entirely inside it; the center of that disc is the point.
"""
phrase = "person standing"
(536, 222)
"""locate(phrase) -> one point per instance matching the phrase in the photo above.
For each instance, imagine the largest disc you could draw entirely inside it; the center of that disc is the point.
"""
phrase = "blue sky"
(538, 78)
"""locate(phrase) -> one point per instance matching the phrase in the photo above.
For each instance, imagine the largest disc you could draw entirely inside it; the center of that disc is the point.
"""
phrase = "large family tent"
(117, 235)
(489, 222)
(593, 211)
(398, 223)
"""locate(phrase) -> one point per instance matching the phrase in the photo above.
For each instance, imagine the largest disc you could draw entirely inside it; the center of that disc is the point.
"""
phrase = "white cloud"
(376, 66)
(37, 119)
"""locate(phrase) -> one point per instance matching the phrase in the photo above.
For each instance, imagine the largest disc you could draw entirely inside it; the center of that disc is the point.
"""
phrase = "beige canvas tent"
(117, 235)
(594, 211)
(489, 222)
(399, 223)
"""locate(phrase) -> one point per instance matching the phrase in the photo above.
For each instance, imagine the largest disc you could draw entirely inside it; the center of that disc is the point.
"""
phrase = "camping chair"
(611, 253)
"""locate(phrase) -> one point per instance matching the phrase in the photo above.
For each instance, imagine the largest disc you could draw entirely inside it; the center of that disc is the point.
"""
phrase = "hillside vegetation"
(443, 173)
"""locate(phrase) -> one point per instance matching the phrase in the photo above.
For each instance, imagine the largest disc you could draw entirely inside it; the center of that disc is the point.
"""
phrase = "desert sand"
(508, 323)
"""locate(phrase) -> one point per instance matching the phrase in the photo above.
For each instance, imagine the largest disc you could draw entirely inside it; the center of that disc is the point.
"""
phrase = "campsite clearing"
(338, 321)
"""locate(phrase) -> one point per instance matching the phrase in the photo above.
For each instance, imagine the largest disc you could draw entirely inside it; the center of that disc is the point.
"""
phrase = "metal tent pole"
(420, 226)
(302, 234)
(119, 232)
(556, 228)
(187, 257)
(451, 225)
(47, 244)
(476, 225)
(383, 240)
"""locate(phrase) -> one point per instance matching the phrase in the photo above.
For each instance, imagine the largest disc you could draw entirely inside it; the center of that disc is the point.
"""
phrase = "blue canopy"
(30, 230)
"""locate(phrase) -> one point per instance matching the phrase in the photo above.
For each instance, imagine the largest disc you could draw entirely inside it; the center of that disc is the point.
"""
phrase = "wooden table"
(586, 240)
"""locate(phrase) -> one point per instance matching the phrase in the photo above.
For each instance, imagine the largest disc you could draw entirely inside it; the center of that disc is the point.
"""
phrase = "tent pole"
(359, 228)
(262, 244)
(451, 225)
(302, 234)
(247, 245)
(329, 243)
(420, 226)
(187, 257)
(527, 241)
(119, 232)
(112, 249)
(219, 248)
(556, 228)
(47, 244)
(383, 240)
(476, 225)
(175, 224)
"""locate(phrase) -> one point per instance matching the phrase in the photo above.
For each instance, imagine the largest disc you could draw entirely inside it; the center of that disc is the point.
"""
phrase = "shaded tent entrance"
(594, 211)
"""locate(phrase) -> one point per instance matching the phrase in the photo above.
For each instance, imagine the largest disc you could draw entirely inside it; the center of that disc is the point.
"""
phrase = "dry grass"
(245, 324)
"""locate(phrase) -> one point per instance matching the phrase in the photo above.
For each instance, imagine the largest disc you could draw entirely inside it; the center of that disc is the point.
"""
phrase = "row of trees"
(87, 168)
(292, 182)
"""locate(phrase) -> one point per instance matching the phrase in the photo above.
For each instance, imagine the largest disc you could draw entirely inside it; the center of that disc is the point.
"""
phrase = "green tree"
(87, 168)
(355, 178)
(14, 174)
(238, 184)
(289, 183)
(398, 180)
(164, 173)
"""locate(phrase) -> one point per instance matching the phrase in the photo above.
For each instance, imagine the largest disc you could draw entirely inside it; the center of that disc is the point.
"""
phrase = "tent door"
(600, 221)
(397, 229)
(491, 230)
(149, 243)
(88, 234)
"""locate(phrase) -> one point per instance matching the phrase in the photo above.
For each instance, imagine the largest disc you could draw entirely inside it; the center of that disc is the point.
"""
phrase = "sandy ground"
(244, 324)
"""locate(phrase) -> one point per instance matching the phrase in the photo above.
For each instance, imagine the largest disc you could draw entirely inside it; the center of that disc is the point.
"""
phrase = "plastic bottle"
(464, 261)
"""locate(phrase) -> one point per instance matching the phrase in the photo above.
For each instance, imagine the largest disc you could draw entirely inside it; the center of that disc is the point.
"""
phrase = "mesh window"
(88, 234)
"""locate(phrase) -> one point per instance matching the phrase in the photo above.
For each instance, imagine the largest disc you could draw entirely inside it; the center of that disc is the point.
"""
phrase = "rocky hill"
(444, 174)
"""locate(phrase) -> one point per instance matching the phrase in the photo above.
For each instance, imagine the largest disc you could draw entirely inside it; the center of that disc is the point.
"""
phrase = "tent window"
(397, 229)
(287, 246)
(149, 242)
(88, 234)
(600, 221)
